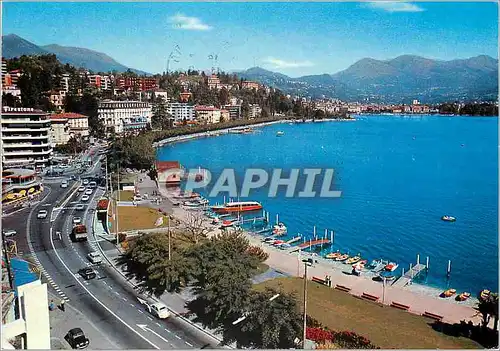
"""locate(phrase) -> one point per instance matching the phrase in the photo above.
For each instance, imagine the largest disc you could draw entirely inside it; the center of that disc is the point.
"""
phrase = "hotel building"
(65, 125)
(25, 138)
(207, 114)
(181, 111)
(124, 116)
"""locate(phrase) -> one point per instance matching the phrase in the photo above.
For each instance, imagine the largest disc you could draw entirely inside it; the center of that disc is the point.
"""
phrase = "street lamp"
(307, 263)
(241, 319)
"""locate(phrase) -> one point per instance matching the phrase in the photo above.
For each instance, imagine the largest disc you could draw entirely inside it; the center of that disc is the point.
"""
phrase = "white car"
(88, 192)
(159, 310)
(94, 257)
(82, 188)
(42, 214)
(77, 220)
(85, 181)
(64, 184)
(80, 207)
(85, 198)
(9, 232)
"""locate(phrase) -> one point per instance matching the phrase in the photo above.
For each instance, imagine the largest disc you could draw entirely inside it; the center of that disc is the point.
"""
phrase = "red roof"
(205, 108)
(67, 115)
(164, 165)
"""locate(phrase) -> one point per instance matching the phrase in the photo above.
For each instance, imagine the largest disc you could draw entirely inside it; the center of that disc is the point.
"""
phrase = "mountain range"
(397, 80)
(15, 46)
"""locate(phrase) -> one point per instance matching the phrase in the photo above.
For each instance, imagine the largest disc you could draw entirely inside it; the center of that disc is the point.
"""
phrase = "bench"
(370, 297)
(342, 288)
(400, 306)
(434, 316)
(319, 280)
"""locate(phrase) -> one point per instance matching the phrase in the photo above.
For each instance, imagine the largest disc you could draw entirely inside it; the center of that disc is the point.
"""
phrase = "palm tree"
(488, 307)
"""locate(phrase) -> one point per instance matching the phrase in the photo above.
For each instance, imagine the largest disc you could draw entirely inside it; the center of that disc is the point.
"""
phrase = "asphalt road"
(107, 301)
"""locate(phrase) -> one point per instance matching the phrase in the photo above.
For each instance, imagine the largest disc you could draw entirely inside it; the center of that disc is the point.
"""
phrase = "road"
(107, 301)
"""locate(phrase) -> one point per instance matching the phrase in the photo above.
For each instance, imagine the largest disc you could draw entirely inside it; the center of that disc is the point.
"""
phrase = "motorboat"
(279, 229)
(285, 246)
(278, 242)
(391, 267)
(333, 255)
(280, 133)
(186, 195)
(228, 223)
(342, 257)
(361, 264)
(463, 296)
(448, 219)
(448, 293)
(484, 294)
(353, 260)
(237, 207)
(268, 239)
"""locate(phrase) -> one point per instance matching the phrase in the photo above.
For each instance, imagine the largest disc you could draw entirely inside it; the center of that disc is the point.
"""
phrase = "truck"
(79, 233)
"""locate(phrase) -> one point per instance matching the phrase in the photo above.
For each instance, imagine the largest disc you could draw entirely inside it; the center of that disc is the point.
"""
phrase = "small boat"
(342, 257)
(333, 255)
(269, 239)
(391, 267)
(280, 133)
(448, 219)
(361, 264)
(448, 293)
(285, 246)
(463, 296)
(237, 207)
(353, 260)
(279, 242)
(279, 229)
(484, 294)
(186, 195)
(228, 223)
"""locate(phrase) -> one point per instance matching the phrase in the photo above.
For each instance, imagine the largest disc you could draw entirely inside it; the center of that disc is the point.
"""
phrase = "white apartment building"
(65, 125)
(124, 116)
(65, 82)
(254, 111)
(181, 111)
(25, 138)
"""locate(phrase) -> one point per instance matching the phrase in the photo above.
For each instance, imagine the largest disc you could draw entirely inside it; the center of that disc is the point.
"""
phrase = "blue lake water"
(398, 176)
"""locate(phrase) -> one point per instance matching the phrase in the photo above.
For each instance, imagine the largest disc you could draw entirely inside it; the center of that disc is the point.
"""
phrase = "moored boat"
(333, 255)
(240, 206)
(448, 219)
(463, 296)
(448, 293)
(342, 257)
(484, 294)
(186, 195)
(228, 223)
(280, 133)
(279, 229)
(361, 264)
(353, 260)
(391, 267)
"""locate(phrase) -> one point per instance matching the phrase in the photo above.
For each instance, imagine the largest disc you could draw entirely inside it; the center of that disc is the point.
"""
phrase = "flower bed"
(102, 204)
(344, 339)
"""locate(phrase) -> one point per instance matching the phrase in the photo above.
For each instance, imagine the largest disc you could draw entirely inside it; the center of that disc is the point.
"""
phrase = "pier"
(408, 276)
(308, 244)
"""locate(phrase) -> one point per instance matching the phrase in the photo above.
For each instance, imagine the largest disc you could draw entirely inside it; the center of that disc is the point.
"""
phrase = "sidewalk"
(61, 322)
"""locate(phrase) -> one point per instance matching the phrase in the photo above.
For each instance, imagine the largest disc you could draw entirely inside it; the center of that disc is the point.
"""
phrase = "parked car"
(64, 184)
(93, 185)
(88, 192)
(42, 214)
(77, 220)
(94, 257)
(85, 181)
(77, 339)
(82, 188)
(9, 232)
(80, 207)
(85, 198)
(87, 273)
(159, 310)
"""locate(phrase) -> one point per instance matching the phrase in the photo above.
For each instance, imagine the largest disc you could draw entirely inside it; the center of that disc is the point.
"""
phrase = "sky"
(292, 38)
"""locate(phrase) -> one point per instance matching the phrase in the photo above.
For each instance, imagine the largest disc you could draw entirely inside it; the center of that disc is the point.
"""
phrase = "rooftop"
(67, 115)
(21, 110)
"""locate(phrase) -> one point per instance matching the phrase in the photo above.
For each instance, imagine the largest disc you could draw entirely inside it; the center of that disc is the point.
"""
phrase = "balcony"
(21, 145)
(23, 136)
(24, 121)
(25, 129)
(26, 152)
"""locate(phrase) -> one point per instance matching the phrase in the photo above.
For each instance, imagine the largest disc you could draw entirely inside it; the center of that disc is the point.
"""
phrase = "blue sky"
(292, 38)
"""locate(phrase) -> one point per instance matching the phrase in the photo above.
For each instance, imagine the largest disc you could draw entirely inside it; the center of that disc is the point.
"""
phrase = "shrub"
(318, 335)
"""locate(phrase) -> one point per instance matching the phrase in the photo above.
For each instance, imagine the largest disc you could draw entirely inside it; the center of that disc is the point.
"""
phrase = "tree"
(160, 119)
(10, 100)
(245, 109)
(488, 307)
(223, 97)
(195, 228)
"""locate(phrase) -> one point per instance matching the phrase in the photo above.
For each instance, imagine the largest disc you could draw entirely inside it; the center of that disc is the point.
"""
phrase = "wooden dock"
(309, 244)
(412, 273)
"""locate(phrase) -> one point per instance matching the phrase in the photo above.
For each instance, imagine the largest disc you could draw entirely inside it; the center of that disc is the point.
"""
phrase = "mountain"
(401, 79)
(15, 46)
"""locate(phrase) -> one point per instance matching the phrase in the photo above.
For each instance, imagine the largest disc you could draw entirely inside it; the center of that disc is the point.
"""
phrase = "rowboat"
(342, 257)
(448, 219)
(333, 255)
(353, 260)
(448, 293)
(391, 267)
(484, 294)
(360, 265)
(463, 296)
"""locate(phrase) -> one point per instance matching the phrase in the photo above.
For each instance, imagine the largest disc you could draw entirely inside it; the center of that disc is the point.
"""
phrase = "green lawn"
(386, 327)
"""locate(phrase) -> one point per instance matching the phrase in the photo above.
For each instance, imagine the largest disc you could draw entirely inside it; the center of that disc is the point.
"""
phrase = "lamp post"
(307, 263)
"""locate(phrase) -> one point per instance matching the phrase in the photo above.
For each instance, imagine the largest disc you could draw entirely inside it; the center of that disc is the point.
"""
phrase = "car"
(80, 189)
(64, 184)
(42, 214)
(93, 185)
(77, 220)
(85, 181)
(80, 207)
(77, 339)
(88, 192)
(159, 310)
(85, 198)
(87, 273)
(9, 232)
(94, 257)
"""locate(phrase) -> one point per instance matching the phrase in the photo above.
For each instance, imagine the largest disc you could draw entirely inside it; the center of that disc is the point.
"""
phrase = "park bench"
(400, 306)
(434, 316)
(342, 288)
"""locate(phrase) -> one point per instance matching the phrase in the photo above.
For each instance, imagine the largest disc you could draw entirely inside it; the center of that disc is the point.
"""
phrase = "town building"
(56, 98)
(213, 81)
(250, 85)
(25, 138)
(18, 183)
(12, 77)
(254, 111)
(234, 111)
(185, 96)
(13, 90)
(66, 125)
(181, 112)
(100, 82)
(169, 173)
(124, 116)
(207, 114)
(224, 115)
(65, 82)
(139, 83)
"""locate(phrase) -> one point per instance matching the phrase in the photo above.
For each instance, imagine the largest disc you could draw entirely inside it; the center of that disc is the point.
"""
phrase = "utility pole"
(7, 261)
(169, 247)
(116, 222)
(305, 305)
(106, 172)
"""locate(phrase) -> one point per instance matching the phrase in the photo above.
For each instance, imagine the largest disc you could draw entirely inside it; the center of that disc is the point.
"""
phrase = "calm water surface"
(398, 176)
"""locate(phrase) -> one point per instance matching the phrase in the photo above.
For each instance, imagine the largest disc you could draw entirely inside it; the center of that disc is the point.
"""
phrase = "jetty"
(308, 244)
(408, 276)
